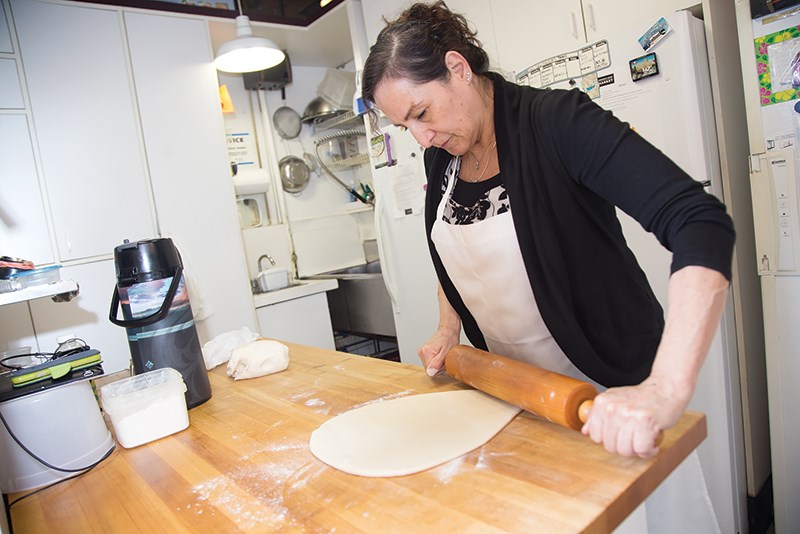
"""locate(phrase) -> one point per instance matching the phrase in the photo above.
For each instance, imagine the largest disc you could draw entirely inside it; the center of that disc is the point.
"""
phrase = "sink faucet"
(262, 257)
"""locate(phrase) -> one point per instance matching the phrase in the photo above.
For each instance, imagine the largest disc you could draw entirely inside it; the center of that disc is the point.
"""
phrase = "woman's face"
(440, 114)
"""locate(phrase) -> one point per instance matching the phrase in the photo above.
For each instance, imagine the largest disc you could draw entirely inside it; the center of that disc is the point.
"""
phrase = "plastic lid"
(143, 261)
(133, 393)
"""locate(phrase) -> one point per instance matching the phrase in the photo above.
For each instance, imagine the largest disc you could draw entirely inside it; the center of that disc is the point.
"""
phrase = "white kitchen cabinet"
(23, 224)
(374, 13)
(305, 320)
(5, 33)
(190, 173)
(10, 89)
(606, 17)
(85, 118)
(522, 32)
(517, 33)
(481, 18)
(478, 12)
(528, 31)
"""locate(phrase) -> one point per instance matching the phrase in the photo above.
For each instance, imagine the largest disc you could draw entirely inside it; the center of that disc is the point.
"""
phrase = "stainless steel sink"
(358, 272)
(361, 303)
(257, 290)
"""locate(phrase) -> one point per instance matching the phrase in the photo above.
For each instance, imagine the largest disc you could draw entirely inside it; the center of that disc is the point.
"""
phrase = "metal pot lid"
(294, 174)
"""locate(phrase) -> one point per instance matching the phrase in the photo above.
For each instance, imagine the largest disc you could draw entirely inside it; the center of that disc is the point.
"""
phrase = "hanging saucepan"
(286, 120)
(294, 174)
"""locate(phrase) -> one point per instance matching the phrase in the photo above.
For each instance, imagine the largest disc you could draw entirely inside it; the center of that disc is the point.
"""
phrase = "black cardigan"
(566, 163)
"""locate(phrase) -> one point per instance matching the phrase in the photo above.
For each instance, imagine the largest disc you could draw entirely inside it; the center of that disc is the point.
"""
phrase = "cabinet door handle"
(590, 17)
(574, 24)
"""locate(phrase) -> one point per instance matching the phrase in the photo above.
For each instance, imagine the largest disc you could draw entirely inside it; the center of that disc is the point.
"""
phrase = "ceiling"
(312, 36)
(292, 12)
(298, 12)
(323, 43)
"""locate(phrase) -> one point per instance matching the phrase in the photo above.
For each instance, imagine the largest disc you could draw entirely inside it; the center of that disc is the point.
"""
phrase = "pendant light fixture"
(247, 53)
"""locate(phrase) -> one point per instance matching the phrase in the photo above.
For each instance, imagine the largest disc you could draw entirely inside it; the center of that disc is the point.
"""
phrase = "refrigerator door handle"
(386, 261)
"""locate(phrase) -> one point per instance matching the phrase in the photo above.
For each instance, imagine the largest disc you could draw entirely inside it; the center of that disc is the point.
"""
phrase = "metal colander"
(287, 122)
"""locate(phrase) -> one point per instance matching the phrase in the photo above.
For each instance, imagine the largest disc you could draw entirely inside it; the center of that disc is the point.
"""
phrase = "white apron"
(484, 262)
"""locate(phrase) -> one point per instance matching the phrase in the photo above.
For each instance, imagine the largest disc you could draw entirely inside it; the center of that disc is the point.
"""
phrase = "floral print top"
(473, 202)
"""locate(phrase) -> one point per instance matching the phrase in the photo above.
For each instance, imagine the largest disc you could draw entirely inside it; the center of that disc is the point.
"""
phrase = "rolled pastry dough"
(410, 434)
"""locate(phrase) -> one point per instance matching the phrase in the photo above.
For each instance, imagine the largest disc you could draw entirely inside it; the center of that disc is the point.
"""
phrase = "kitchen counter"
(301, 288)
(244, 465)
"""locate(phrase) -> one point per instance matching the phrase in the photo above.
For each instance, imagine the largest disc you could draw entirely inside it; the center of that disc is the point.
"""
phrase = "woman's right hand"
(447, 336)
(433, 352)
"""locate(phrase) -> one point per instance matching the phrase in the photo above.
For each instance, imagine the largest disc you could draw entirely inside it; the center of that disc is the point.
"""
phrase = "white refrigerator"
(770, 46)
(657, 79)
(407, 269)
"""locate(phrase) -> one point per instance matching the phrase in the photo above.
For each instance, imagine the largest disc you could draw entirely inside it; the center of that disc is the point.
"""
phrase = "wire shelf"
(348, 163)
(348, 119)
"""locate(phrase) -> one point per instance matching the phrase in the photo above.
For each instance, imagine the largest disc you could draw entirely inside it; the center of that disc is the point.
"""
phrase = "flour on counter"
(318, 402)
(252, 495)
(302, 395)
(484, 458)
(447, 472)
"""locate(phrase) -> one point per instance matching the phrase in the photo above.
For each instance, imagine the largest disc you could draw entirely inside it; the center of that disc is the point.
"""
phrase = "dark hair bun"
(413, 46)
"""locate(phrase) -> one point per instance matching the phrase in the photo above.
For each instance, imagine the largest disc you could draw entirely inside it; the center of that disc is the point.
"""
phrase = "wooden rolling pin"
(558, 398)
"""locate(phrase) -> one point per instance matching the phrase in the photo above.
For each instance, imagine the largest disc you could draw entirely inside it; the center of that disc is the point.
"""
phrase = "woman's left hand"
(627, 420)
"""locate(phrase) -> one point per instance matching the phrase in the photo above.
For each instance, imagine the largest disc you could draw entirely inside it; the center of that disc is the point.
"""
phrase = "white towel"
(219, 349)
(201, 306)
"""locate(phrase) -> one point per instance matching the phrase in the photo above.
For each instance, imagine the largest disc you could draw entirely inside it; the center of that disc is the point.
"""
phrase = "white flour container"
(146, 407)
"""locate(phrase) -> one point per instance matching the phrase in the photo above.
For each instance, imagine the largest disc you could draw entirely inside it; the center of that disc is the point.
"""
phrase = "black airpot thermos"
(157, 313)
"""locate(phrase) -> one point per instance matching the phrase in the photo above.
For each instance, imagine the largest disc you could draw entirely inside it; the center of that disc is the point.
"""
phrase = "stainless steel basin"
(361, 303)
(358, 272)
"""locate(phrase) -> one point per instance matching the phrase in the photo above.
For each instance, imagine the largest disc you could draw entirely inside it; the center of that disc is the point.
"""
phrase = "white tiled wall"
(327, 244)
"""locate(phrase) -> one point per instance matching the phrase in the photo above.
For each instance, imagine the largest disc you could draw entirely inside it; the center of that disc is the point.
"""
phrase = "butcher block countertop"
(244, 465)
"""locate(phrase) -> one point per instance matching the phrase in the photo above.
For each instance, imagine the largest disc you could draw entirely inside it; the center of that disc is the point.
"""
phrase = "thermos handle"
(150, 319)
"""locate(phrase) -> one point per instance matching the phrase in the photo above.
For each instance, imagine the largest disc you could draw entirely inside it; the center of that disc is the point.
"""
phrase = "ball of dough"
(258, 358)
